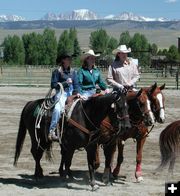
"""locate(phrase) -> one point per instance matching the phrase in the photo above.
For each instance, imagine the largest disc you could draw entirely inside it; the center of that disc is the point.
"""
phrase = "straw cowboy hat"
(121, 48)
(89, 53)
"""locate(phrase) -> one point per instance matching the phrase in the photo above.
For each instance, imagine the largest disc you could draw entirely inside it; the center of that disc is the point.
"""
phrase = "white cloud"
(171, 1)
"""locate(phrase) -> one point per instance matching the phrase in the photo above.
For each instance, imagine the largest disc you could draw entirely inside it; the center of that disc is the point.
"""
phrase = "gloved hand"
(124, 90)
(69, 81)
(107, 91)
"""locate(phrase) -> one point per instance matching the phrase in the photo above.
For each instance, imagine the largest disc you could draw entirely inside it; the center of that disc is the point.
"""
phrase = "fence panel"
(41, 76)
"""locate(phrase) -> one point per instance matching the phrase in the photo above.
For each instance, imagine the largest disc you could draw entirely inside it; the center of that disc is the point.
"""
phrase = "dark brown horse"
(88, 114)
(169, 143)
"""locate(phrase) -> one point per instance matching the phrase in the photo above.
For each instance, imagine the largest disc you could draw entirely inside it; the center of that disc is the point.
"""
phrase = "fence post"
(1, 69)
(177, 80)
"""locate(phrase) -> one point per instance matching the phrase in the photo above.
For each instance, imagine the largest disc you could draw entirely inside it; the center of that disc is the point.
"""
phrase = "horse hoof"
(97, 165)
(140, 179)
(95, 187)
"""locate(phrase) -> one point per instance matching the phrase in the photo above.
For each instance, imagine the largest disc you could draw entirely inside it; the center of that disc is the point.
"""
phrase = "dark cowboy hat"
(63, 56)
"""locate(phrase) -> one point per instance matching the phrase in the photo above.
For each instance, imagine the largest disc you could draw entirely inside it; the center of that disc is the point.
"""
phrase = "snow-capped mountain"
(7, 18)
(81, 14)
(85, 14)
(134, 17)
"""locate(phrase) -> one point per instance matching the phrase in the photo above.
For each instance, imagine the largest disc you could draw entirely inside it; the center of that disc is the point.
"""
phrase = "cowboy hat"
(89, 53)
(63, 56)
(121, 48)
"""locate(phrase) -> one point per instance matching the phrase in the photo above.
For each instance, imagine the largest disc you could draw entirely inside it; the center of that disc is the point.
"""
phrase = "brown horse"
(169, 143)
(140, 117)
(157, 99)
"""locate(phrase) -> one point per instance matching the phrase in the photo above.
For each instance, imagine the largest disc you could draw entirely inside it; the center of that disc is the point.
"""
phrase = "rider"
(89, 76)
(123, 72)
(62, 78)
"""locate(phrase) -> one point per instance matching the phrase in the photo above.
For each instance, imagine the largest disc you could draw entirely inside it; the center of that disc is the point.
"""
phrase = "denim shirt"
(88, 80)
(61, 76)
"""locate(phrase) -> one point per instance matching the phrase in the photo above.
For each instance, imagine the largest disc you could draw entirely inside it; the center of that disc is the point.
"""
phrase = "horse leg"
(67, 161)
(109, 154)
(139, 149)
(97, 161)
(37, 155)
(61, 167)
(120, 158)
(91, 157)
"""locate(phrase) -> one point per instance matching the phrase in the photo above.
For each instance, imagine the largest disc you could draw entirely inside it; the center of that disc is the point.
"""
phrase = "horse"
(157, 101)
(90, 114)
(139, 130)
(93, 111)
(169, 143)
(141, 116)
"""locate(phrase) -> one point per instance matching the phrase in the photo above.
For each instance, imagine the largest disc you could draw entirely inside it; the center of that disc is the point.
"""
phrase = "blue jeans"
(88, 93)
(59, 107)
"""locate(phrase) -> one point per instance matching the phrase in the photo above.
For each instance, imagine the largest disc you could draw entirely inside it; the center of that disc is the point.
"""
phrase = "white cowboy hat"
(89, 53)
(121, 48)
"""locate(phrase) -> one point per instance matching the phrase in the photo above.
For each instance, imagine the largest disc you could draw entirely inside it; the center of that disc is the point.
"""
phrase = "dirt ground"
(19, 180)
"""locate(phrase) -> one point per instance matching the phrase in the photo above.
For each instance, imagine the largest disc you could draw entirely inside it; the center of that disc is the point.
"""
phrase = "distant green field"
(162, 37)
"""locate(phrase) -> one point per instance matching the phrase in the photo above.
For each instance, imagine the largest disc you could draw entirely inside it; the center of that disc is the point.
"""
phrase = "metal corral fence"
(25, 76)
(40, 76)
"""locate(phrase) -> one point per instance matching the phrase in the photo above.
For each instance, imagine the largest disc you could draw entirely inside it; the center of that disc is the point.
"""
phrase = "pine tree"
(13, 50)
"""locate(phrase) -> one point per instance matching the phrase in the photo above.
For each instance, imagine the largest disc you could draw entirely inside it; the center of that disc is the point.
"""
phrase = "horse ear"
(139, 93)
(162, 87)
(153, 87)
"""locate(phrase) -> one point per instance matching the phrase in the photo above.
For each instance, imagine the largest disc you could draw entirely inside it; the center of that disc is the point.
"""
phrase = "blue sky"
(35, 9)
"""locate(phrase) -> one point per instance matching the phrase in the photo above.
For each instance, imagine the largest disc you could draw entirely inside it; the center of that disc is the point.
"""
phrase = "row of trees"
(40, 49)
(44, 49)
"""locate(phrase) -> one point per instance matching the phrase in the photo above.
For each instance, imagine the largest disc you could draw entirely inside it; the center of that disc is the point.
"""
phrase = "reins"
(88, 117)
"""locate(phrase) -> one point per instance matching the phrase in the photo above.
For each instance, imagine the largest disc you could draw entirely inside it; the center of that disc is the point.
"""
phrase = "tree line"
(45, 49)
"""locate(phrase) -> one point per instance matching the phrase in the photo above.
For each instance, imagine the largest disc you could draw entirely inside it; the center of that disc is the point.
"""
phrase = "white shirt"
(121, 75)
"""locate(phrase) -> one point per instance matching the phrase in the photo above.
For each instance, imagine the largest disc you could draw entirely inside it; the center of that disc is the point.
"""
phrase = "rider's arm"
(76, 87)
(56, 79)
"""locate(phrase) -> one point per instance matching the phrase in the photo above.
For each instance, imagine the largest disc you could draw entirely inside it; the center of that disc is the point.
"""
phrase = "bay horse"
(169, 143)
(94, 111)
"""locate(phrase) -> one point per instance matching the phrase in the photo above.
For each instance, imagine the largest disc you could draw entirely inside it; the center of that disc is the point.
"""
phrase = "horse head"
(120, 108)
(139, 107)
(157, 102)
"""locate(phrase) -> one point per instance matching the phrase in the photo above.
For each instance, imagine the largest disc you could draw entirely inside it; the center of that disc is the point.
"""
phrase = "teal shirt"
(88, 80)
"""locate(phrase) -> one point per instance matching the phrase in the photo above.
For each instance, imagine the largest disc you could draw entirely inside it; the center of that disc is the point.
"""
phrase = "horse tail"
(20, 137)
(169, 142)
